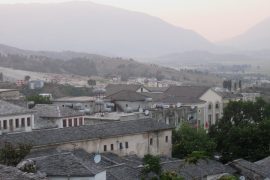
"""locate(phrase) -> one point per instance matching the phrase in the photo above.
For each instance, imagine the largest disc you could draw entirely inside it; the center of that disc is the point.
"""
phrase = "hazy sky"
(214, 19)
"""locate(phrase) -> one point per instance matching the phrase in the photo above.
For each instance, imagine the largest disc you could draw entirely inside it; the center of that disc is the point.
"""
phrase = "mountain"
(93, 28)
(256, 38)
(261, 57)
(85, 64)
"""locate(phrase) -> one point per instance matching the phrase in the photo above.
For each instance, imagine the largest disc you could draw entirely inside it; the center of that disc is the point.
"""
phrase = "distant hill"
(93, 28)
(256, 38)
(92, 65)
(204, 57)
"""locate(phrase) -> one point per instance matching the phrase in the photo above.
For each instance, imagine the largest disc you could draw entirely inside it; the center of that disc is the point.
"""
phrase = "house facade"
(54, 116)
(15, 118)
(137, 137)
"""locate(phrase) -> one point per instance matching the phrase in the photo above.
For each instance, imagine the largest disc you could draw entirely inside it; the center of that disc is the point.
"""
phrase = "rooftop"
(189, 91)
(114, 88)
(123, 167)
(55, 111)
(7, 90)
(7, 109)
(249, 169)
(75, 99)
(12, 173)
(47, 137)
(126, 95)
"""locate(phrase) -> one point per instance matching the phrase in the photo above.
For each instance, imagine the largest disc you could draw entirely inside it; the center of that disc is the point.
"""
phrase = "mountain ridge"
(94, 28)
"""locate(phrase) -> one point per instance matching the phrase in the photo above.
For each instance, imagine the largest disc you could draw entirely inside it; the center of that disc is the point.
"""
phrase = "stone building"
(14, 118)
(137, 137)
(55, 116)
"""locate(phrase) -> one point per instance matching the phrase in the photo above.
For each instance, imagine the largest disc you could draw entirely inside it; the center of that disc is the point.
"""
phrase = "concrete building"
(54, 116)
(129, 101)
(36, 84)
(138, 137)
(207, 102)
(15, 118)
(83, 103)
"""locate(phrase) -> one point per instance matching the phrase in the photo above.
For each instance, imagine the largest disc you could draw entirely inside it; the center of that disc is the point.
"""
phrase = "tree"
(151, 164)
(27, 78)
(187, 139)
(195, 156)
(170, 176)
(11, 155)
(39, 99)
(243, 131)
(91, 82)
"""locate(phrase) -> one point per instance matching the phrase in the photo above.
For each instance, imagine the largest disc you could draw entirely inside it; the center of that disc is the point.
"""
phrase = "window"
(28, 122)
(217, 106)
(121, 146)
(11, 124)
(70, 122)
(166, 139)
(16, 123)
(126, 144)
(151, 141)
(64, 123)
(141, 89)
(217, 116)
(210, 120)
(5, 124)
(23, 122)
(80, 121)
(105, 148)
(75, 122)
(112, 147)
(209, 106)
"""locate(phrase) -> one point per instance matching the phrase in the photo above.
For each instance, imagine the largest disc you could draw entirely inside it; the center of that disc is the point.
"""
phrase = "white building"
(15, 118)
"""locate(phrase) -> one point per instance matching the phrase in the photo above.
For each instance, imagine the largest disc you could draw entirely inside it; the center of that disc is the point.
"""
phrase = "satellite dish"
(242, 178)
(97, 158)
(146, 112)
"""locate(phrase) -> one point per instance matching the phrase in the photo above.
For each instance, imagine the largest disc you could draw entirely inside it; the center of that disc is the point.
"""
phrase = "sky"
(216, 20)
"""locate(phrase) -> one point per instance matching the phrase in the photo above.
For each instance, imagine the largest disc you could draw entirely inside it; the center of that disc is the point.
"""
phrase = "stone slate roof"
(47, 137)
(55, 111)
(129, 167)
(249, 169)
(157, 89)
(265, 163)
(7, 109)
(229, 95)
(114, 88)
(126, 95)
(200, 170)
(62, 164)
(75, 99)
(12, 173)
(184, 94)
(189, 91)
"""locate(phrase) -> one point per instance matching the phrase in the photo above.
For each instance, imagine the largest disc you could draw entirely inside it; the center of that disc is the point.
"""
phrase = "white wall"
(138, 144)
(211, 97)
(20, 128)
